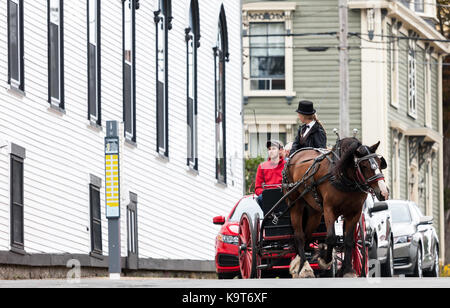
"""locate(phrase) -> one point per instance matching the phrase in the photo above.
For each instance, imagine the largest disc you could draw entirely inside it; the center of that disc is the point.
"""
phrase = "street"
(233, 284)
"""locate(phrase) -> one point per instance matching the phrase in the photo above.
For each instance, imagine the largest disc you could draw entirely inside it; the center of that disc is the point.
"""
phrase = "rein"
(362, 181)
(343, 183)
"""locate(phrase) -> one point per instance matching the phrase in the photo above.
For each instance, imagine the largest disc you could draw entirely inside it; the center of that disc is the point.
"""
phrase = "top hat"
(306, 108)
(274, 143)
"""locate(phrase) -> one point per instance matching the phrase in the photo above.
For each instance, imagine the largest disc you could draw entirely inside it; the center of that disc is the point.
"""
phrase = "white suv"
(379, 237)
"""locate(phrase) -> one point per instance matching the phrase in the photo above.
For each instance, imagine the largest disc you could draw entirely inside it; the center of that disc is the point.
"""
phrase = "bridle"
(363, 183)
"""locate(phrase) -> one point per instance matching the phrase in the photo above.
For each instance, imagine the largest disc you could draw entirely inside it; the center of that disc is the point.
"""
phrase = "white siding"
(175, 207)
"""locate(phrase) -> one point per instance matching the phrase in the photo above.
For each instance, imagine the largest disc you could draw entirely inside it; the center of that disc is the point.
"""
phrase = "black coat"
(316, 138)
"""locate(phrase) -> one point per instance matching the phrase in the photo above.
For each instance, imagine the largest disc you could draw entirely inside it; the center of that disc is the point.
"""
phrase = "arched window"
(163, 22)
(221, 56)
(93, 59)
(129, 69)
(192, 44)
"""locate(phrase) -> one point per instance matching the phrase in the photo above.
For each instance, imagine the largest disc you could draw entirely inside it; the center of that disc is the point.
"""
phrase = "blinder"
(383, 163)
(373, 165)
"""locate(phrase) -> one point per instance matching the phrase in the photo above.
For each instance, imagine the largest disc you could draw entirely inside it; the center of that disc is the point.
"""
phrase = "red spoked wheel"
(360, 253)
(247, 248)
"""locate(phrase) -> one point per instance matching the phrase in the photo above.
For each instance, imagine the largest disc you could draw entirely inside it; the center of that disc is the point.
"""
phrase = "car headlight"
(403, 239)
(228, 239)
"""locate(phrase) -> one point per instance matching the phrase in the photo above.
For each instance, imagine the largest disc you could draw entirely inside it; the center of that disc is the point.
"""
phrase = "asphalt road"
(233, 284)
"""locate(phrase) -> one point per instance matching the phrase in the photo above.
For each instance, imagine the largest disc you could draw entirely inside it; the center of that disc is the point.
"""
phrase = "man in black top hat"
(311, 134)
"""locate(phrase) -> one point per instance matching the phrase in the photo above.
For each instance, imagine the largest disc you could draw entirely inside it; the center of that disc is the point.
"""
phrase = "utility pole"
(344, 120)
(112, 153)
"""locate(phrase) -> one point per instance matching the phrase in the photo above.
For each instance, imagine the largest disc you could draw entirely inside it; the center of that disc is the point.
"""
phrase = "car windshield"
(247, 205)
(400, 213)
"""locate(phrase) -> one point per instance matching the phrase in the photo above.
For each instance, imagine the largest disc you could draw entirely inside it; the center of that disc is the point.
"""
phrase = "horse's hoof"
(294, 268)
(307, 271)
(351, 275)
(324, 266)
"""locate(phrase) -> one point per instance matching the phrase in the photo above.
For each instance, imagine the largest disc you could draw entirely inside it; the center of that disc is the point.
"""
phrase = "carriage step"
(263, 267)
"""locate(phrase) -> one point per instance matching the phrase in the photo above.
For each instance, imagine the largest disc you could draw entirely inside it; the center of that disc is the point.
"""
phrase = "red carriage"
(266, 247)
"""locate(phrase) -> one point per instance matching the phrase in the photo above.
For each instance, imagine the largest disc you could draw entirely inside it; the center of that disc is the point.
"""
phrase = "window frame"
(279, 11)
(268, 79)
(95, 220)
(97, 118)
(129, 136)
(412, 80)
(192, 45)
(20, 83)
(132, 228)
(395, 76)
(162, 18)
(221, 57)
(56, 102)
(428, 88)
(15, 244)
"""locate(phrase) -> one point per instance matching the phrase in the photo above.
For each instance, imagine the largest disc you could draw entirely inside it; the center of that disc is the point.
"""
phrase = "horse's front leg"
(299, 268)
(326, 251)
(349, 245)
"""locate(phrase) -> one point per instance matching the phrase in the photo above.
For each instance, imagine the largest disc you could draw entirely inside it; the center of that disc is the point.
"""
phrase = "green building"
(291, 53)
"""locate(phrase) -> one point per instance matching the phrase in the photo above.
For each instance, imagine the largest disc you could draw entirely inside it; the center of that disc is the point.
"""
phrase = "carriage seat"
(270, 198)
(284, 226)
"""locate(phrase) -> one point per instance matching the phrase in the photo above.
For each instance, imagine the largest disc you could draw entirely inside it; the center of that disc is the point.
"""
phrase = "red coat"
(269, 174)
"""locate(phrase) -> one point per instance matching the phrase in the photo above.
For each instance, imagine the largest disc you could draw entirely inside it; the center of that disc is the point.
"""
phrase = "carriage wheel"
(256, 255)
(247, 248)
(361, 251)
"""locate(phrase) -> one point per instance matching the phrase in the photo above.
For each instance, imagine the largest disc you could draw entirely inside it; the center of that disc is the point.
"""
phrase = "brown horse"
(343, 180)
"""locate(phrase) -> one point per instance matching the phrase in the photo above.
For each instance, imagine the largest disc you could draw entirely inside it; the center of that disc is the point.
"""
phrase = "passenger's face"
(274, 152)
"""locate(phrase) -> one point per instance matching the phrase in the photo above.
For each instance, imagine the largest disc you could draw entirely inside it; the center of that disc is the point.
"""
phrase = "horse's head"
(362, 164)
(368, 167)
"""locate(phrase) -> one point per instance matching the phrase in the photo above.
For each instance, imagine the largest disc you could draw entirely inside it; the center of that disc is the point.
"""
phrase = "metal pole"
(344, 70)
(115, 267)
(112, 168)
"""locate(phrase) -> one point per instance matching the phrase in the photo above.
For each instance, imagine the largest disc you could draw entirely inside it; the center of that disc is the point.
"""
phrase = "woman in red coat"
(269, 173)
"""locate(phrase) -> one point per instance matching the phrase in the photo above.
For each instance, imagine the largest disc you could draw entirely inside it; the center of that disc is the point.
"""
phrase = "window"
(268, 42)
(394, 49)
(163, 21)
(267, 56)
(192, 44)
(17, 199)
(94, 105)
(412, 90)
(129, 69)
(96, 220)
(221, 56)
(132, 228)
(15, 44)
(428, 100)
(419, 6)
(55, 53)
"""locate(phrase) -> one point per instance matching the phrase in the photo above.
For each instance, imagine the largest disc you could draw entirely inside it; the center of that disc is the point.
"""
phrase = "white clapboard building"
(170, 73)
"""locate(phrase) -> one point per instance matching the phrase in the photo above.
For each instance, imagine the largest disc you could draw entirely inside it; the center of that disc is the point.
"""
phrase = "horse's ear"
(374, 148)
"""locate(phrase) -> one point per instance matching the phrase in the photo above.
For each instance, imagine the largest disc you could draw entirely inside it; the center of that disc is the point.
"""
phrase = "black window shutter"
(17, 202)
(96, 220)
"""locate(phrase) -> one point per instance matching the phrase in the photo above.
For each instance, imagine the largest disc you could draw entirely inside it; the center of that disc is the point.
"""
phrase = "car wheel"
(434, 272)
(373, 251)
(418, 272)
(387, 269)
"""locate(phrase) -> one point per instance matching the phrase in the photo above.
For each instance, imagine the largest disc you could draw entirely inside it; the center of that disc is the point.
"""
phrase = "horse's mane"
(348, 147)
